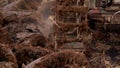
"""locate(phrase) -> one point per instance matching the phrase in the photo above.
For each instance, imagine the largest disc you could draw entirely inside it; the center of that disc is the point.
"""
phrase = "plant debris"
(42, 34)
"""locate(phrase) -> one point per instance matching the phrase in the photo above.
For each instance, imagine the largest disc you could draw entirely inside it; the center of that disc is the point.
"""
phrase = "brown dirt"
(25, 55)
(62, 59)
(22, 43)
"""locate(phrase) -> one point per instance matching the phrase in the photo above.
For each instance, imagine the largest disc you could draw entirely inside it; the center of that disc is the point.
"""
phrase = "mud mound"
(63, 59)
(26, 55)
(29, 4)
(35, 40)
